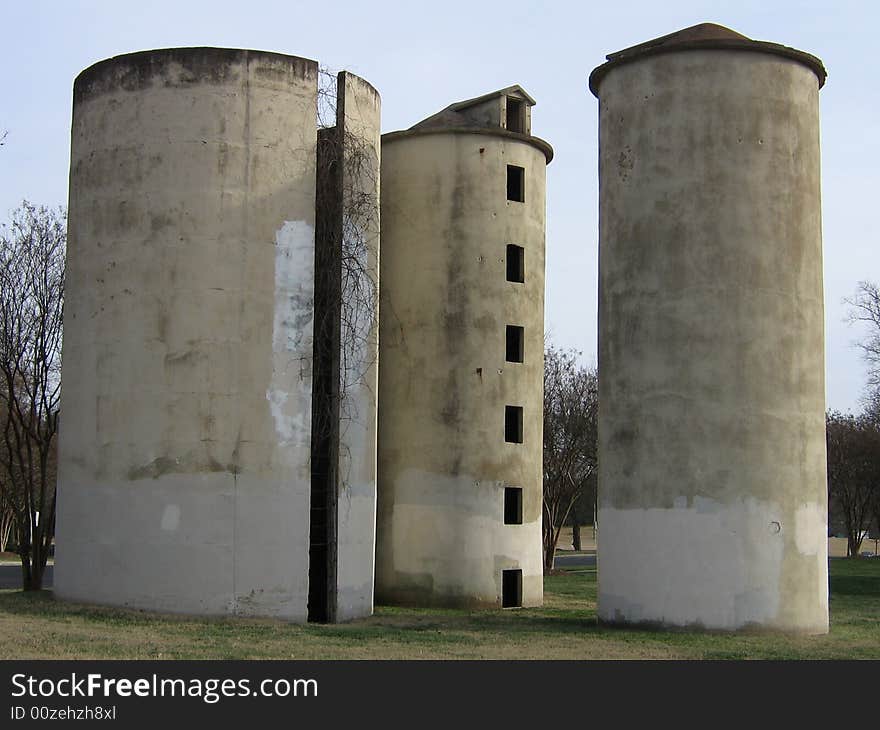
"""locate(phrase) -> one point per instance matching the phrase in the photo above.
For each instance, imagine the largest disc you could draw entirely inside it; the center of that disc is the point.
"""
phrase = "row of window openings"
(511, 580)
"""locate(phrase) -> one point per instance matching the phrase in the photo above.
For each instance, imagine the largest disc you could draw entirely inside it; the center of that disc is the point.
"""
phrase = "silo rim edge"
(810, 61)
(529, 139)
(91, 71)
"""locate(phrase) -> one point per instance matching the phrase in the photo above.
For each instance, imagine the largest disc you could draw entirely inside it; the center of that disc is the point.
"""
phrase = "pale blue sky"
(423, 56)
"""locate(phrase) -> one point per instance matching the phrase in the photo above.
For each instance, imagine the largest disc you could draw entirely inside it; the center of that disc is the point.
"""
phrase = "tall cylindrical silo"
(461, 358)
(184, 458)
(712, 491)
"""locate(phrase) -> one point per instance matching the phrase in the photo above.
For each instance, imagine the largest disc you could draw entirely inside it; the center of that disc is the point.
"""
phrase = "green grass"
(36, 626)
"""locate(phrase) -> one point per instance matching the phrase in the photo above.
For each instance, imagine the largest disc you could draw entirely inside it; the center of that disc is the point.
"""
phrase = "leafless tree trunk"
(571, 404)
(32, 250)
(575, 534)
(7, 523)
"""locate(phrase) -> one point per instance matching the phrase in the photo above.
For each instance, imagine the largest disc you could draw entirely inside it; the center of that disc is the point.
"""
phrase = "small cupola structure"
(509, 108)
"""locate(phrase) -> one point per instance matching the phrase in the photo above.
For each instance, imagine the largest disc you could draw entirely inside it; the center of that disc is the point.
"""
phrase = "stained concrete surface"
(711, 356)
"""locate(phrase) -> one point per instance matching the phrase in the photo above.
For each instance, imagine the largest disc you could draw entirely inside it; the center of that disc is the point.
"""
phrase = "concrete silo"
(712, 491)
(461, 357)
(185, 478)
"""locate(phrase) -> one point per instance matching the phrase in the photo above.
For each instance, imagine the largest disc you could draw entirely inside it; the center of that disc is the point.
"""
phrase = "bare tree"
(32, 250)
(571, 403)
(853, 444)
(866, 308)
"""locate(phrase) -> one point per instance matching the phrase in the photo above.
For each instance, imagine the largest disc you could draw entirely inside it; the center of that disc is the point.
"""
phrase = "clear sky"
(423, 56)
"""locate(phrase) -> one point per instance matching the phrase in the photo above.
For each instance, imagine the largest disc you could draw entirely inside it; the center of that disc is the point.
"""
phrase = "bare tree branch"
(865, 306)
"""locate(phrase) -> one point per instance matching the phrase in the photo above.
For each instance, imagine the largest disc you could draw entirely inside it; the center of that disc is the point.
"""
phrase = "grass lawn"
(34, 626)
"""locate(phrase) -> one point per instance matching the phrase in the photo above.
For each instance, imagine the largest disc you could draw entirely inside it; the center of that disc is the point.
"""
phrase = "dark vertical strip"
(325, 388)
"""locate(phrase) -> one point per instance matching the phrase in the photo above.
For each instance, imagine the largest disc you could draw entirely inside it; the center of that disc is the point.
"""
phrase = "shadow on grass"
(454, 628)
(569, 614)
(43, 605)
(389, 623)
(855, 577)
(519, 623)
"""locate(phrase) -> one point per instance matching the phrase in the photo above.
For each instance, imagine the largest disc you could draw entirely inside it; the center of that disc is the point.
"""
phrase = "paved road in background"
(10, 576)
(575, 561)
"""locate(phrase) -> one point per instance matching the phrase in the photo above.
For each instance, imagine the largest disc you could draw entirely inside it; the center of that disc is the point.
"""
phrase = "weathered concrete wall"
(489, 113)
(184, 453)
(712, 493)
(358, 117)
(443, 380)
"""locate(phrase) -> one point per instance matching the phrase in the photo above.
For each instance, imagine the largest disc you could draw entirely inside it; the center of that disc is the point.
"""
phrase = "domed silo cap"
(705, 36)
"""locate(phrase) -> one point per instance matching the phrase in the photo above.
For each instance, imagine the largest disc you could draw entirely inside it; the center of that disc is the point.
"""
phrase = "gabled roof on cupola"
(452, 115)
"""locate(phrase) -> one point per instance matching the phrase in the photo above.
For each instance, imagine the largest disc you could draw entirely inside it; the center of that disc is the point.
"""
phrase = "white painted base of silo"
(446, 546)
(355, 551)
(713, 566)
(212, 544)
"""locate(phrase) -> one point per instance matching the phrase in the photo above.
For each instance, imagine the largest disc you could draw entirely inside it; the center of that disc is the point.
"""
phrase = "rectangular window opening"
(511, 588)
(516, 183)
(513, 424)
(514, 343)
(515, 115)
(513, 505)
(516, 263)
